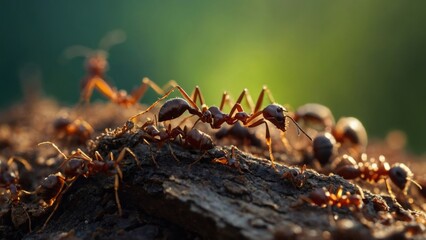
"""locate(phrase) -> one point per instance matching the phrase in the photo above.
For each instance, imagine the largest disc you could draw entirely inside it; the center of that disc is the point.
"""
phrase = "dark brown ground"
(177, 200)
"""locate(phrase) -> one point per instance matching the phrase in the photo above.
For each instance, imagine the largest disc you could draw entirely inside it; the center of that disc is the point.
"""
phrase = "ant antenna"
(56, 147)
(299, 129)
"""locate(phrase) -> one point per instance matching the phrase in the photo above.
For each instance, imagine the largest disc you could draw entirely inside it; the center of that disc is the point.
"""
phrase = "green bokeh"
(361, 58)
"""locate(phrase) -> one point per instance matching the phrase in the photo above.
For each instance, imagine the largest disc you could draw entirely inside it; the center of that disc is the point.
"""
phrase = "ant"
(96, 65)
(230, 159)
(9, 181)
(373, 171)
(80, 164)
(322, 197)
(348, 137)
(78, 129)
(296, 176)
(9, 178)
(192, 138)
(273, 113)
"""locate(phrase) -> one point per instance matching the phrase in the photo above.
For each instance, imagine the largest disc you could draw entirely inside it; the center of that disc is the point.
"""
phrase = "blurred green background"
(361, 58)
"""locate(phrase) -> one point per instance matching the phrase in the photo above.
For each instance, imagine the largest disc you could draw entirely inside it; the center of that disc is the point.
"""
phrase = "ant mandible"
(274, 113)
(96, 65)
(373, 171)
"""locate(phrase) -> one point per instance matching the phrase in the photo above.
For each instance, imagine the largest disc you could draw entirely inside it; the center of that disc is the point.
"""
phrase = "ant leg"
(268, 139)
(197, 94)
(169, 84)
(225, 99)
(388, 187)
(172, 153)
(285, 142)
(117, 199)
(140, 91)
(261, 96)
(240, 99)
(199, 159)
(101, 85)
(152, 154)
(122, 154)
(57, 200)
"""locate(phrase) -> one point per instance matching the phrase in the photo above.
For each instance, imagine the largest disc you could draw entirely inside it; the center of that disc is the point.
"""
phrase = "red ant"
(229, 159)
(97, 64)
(348, 137)
(9, 181)
(374, 171)
(192, 138)
(322, 197)
(295, 176)
(78, 129)
(80, 164)
(274, 113)
(9, 178)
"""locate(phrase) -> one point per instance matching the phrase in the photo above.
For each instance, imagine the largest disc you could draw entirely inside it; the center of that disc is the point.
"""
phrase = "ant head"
(96, 63)
(275, 113)
(400, 175)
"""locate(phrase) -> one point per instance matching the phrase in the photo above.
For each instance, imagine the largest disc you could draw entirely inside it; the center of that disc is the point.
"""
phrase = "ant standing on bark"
(273, 113)
(9, 181)
(322, 197)
(78, 129)
(373, 171)
(97, 64)
(80, 164)
(192, 138)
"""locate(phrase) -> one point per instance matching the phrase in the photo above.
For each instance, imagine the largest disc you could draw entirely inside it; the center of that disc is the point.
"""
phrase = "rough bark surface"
(216, 201)
(184, 200)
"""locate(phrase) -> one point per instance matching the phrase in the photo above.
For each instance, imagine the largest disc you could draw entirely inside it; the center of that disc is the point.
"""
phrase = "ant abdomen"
(351, 134)
(199, 139)
(172, 109)
(315, 116)
(324, 147)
